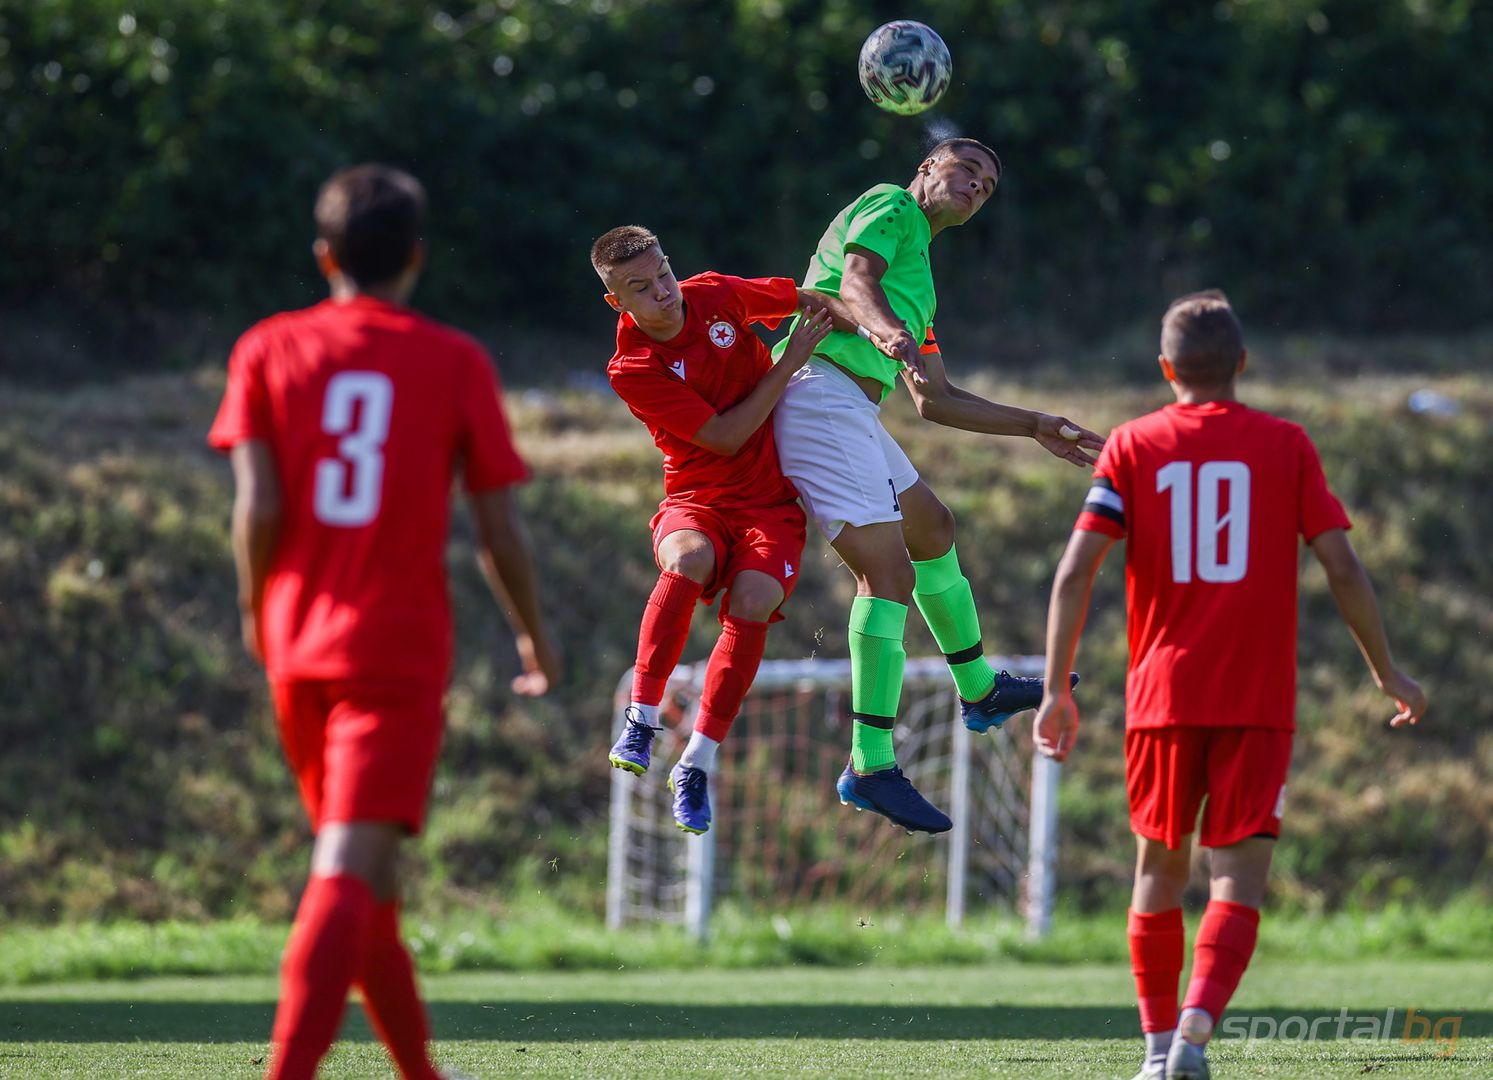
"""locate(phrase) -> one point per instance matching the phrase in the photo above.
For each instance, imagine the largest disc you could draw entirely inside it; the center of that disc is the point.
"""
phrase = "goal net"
(780, 838)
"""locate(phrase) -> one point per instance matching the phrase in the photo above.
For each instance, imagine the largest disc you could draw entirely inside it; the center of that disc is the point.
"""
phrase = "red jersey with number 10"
(675, 386)
(369, 410)
(1210, 499)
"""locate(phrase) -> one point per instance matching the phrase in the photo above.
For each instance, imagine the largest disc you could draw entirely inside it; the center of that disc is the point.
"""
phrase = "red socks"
(1156, 959)
(1225, 942)
(343, 934)
(391, 999)
(662, 636)
(728, 676)
(326, 950)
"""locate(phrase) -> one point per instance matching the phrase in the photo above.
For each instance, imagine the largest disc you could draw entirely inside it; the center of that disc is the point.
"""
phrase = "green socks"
(948, 606)
(877, 657)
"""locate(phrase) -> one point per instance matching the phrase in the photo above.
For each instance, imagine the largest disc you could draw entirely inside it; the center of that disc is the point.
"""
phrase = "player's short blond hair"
(617, 246)
(1202, 337)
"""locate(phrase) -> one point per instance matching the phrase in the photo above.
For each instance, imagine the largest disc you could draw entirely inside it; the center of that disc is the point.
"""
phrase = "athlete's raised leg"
(943, 595)
(686, 559)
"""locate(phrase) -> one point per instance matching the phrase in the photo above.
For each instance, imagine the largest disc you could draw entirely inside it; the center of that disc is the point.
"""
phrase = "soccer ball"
(905, 67)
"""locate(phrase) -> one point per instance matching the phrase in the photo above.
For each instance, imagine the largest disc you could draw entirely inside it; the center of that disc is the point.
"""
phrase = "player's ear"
(612, 301)
(1243, 363)
(326, 262)
(417, 258)
(1168, 372)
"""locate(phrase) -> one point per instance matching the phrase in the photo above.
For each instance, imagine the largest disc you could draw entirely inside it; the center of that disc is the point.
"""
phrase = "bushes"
(1308, 156)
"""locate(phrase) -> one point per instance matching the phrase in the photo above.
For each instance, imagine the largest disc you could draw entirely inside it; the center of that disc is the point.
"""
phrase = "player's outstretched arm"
(503, 553)
(256, 531)
(726, 432)
(1355, 598)
(1055, 728)
(940, 401)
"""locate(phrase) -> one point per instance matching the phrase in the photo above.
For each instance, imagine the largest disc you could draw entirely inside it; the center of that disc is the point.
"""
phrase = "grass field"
(1011, 1020)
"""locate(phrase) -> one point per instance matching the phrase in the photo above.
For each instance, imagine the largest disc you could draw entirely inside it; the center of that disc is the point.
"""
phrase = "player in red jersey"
(1210, 497)
(690, 368)
(346, 423)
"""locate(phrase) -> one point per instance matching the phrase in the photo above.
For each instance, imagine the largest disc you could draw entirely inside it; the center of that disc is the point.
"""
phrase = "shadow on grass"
(574, 1021)
(581, 1021)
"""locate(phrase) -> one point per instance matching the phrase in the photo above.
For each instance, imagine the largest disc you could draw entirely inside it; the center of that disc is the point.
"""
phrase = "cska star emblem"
(722, 334)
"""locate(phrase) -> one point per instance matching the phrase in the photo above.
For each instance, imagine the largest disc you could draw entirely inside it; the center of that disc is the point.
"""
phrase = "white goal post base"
(779, 836)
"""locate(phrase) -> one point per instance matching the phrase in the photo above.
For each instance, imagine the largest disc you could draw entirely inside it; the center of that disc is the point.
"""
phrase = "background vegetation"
(1324, 161)
(1325, 158)
(140, 774)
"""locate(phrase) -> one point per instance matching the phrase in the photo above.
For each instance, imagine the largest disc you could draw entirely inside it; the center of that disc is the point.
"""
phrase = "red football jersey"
(370, 410)
(1210, 500)
(675, 386)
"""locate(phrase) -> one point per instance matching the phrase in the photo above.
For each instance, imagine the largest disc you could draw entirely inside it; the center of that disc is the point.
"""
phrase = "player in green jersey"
(893, 533)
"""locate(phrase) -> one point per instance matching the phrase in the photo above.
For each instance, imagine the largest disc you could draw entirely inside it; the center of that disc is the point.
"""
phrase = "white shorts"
(846, 467)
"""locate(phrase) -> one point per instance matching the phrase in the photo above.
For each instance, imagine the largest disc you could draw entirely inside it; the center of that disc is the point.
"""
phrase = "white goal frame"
(681, 868)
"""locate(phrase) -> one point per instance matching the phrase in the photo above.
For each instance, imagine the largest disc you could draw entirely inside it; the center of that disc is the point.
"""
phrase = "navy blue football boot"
(891, 795)
(1010, 695)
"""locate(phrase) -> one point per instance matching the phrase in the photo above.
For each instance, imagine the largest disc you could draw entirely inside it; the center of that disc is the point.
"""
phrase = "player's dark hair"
(961, 143)
(616, 246)
(1202, 337)
(372, 217)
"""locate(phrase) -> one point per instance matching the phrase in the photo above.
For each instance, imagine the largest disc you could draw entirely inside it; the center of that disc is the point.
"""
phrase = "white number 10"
(1177, 478)
(360, 451)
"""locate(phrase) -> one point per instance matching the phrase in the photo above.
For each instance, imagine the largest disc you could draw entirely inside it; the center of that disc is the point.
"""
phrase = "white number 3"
(349, 487)
(1177, 478)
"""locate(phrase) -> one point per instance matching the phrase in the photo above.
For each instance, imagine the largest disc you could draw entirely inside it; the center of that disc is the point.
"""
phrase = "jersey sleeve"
(489, 458)
(1317, 508)
(879, 223)
(764, 300)
(244, 412)
(657, 398)
(1104, 505)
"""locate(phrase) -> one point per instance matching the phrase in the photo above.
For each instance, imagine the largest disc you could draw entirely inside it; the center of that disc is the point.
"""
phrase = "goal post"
(780, 838)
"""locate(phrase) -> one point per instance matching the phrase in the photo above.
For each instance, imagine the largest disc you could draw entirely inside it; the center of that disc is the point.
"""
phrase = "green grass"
(548, 938)
(1009, 1020)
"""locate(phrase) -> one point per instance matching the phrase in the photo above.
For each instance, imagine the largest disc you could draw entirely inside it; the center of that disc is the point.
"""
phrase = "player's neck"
(396, 292)
(1203, 395)
(936, 222)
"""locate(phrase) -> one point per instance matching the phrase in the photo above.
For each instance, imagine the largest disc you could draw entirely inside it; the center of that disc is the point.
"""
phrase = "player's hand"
(903, 348)
(1063, 438)
(1407, 694)
(248, 625)
(1055, 728)
(541, 663)
(813, 327)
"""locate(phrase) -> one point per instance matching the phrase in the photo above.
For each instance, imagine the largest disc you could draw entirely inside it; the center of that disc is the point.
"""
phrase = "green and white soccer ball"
(905, 67)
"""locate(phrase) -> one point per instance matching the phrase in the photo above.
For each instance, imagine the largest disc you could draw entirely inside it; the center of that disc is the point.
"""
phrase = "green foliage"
(141, 777)
(1323, 160)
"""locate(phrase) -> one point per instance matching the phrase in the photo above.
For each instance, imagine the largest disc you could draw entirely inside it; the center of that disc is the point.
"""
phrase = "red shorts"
(362, 750)
(1242, 771)
(767, 539)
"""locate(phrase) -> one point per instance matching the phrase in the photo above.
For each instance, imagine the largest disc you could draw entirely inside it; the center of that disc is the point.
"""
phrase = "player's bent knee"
(693, 558)
(755, 596)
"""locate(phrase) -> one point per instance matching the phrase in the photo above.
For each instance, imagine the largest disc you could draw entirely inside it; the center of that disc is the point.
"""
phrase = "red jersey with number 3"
(675, 386)
(1210, 500)
(370, 410)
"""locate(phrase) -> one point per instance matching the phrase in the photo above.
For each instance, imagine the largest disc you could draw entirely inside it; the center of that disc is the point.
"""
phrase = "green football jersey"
(888, 221)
